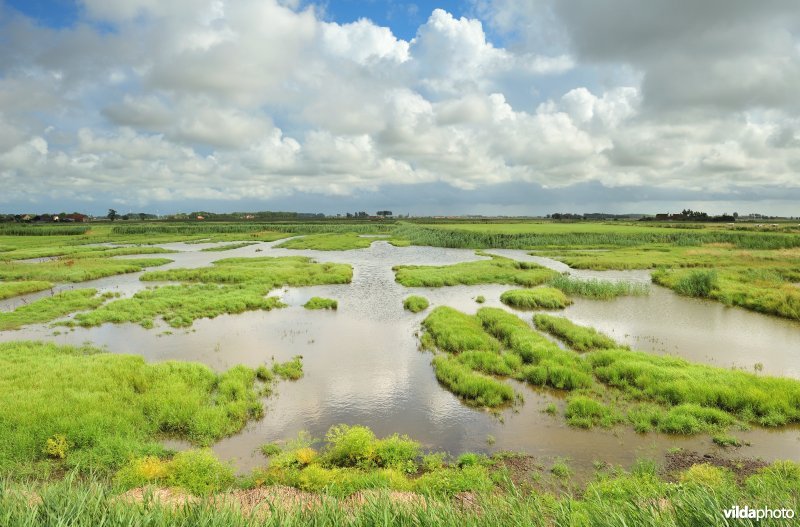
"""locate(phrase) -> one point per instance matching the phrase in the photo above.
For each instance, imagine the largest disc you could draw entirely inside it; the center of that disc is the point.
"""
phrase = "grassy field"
(537, 298)
(11, 289)
(80, 408)
(328, 242)
(51, 308)
(497, 270)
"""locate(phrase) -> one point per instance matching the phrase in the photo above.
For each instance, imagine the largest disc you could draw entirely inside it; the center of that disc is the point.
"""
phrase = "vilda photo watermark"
(747, 513)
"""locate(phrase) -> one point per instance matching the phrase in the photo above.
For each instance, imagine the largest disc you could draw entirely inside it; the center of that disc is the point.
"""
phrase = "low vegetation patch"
(180, 305)
(50, 308)
(227, 247)
(328, 242)
(68, 407)
(538, 298)
(599, 289)
(497, 270)
(12, 289)
(415, 303)
(474, 388)
(317, 302)
(75, 270)
(579, 338)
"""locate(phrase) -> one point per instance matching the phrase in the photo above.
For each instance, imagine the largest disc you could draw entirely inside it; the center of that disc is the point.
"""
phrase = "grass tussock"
(538, 298)
(12, 289)
(497, 270)
(474, 388)
(50, 308)
(180, 305)
(455, 332)
(291, 370)
(65, 407)
(598, 289)
(318, 302)
(328, 242)
(415, 303)
(579, 338)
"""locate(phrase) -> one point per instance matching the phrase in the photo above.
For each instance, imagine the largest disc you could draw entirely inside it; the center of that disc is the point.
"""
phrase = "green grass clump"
(474, 388)
(318, 302)
(227, 247)
(725, 440)
(197, 471)
(290, 370)
(328, 242)
(37, 230)
(698, 283)
(50, 308)
(75, 270)
(455, 332)
(538, 298)
(579, 338)
(11, 289)
(180, 305)
(599, 289)
(415, 303)
(110, 408)
(270, 272)
(491, 362)
(497, 270)
(585, 412)
(480, 299)
(545, 364)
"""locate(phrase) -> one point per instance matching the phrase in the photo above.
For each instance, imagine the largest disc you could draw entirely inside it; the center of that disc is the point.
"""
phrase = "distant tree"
(112, 214)
(384, 213)
(142, 216)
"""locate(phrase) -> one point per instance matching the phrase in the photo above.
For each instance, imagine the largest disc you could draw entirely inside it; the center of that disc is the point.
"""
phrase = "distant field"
(565, 228)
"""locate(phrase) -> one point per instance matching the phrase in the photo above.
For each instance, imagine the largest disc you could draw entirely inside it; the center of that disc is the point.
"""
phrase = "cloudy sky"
(479, 106)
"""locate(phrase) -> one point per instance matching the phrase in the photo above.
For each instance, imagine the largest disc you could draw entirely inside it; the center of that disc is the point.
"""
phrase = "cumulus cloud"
(159, 103)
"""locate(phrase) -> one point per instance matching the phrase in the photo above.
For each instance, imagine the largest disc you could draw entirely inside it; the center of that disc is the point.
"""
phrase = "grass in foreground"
(317, 302)
(538, 298)
(12, 289)
(415, 303)
(497, 270)
(50, 308)
(67, 407)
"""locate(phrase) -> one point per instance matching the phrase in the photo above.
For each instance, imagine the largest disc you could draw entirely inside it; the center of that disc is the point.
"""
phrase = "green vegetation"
(289, 371)
(227, 247)
(538, 298)
(579, 338)
(197, 471)
(75, 270)
(599, 289)
(725, 440)
(41, 230)
(497, 270)
(480, 299)
(100, 409)
(639, 497)
(181, 305)
(269, 272)
(415, 303)
(317, 302)
(610, 384)
(328, 242)
(11, 289)
(50, 308)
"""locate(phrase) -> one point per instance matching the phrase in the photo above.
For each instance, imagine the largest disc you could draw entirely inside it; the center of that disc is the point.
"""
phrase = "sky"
(506, 107)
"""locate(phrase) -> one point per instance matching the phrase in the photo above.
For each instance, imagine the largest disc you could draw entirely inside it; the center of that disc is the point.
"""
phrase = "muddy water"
(362, 364)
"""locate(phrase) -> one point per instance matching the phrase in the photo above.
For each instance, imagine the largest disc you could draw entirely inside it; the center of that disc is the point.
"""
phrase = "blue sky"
(483, 106)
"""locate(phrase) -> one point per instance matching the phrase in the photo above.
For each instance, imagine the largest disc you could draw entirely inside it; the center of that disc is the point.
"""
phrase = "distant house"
(76, 217)
(201, 217)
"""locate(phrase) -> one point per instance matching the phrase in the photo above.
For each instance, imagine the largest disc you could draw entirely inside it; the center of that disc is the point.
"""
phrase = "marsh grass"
(109, 407)
(497, 270)
(12, 289)
(180, 305)
(599, 289)
(474, 388)
(579, 338)
(270, 272)
(227, 247)
(75, 270)
(455, 332)
(317, 302)
(50, 308)
(415, 303)
(538, 298)
(328, 242)
(291, 370)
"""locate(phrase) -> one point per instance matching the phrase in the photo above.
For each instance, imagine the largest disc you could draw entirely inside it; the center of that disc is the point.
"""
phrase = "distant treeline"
(240, 227)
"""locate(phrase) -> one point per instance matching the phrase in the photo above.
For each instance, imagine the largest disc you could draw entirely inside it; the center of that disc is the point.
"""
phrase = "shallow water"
(362, 365)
